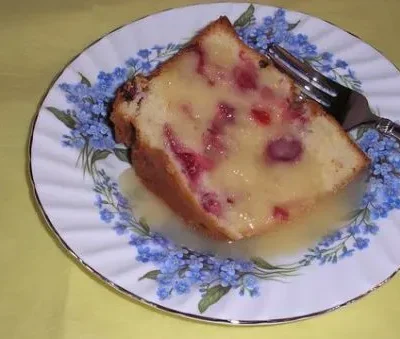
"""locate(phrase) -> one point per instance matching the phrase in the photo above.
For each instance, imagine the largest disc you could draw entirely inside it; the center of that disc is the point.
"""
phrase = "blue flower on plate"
(165, 279)
(125, 216)
(171, 264)
(341, 64)
(120, 73)
(158, 256)
(250, 282)
(144, 254)
(361, 243)
(105, 78)
(182, 286)
(244, 265)
(106, 215)
(370, 228)
(195, 263)
(120, 228)
(159, 239)
(354, 229)
(144, 53)
(255, 292)
(331, 239)
(346, 252)
(132, 62)
(99, 201)
(327, 56)
(146, 66)
(137, 241)
(163, 292)
(326, 68)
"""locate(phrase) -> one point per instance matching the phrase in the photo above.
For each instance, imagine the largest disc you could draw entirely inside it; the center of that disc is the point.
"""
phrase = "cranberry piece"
(294, 111)
(284, 150)
(201, 59)
(213, 137)
(226, 112)
(245, 77)
(213, 142)
(210, 203)
(193, 164)
(280, 213)
(172, 139)
(201, 63)
(297, 115)
(261, 116)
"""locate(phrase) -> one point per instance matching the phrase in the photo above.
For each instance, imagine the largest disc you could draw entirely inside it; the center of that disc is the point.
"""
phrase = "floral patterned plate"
(75, 164)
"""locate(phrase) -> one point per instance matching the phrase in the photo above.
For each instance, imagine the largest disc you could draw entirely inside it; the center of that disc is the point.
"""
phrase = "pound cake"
(219, 134)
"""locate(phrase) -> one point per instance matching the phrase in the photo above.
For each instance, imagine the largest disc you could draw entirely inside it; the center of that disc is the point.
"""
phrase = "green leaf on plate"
(293, 26)
(151, 275)
(131, 73)
(245, 18)
(66, 119)
(84, 80)
(261, 263)
(354, 214)
(181, 272)
(360, 131)
(144, 224)
(122, 154)
(213, 295)
(99, 155)
(367, 216)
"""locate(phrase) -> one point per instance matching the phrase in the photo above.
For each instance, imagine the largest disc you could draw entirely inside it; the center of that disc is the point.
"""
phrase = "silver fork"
(350, 108)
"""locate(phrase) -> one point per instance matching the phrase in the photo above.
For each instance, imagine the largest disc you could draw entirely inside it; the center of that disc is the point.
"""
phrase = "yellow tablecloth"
(44, 294)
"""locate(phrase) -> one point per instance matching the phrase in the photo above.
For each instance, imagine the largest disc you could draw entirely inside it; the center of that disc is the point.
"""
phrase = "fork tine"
(303, 70)
(305, 86)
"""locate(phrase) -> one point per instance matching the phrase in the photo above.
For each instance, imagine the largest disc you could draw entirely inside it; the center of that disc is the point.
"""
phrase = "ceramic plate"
(76, 167)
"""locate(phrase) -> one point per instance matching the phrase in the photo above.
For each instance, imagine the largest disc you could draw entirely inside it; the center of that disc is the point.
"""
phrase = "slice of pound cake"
(218, 133)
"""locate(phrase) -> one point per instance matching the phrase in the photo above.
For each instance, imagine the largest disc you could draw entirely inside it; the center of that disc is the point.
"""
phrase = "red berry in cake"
(284, 149)
(201, 59)
(226, 113)
(261, 116)
(213, 137)
(280, 213)
(294, 111)
(245, 76)
(201, 63)
(172, 139)
(210, 203)
(213, 142)
(193, 164)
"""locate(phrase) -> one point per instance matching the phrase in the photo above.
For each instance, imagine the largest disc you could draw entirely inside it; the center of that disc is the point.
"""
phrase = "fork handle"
(388, 128)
